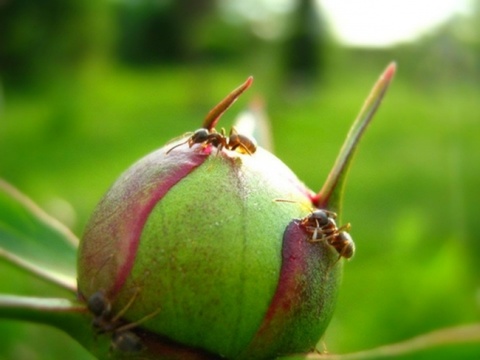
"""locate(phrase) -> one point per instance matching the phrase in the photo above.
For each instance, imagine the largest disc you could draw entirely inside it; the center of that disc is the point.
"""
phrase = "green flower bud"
(212, 250)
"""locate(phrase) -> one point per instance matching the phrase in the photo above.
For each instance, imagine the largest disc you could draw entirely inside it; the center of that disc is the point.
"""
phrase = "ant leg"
(323, 238)
(331, 214)
(244, 148)
(338, 259)
(345, 227)
(138, 322)
(127, 306)
(247, 150)
(342, 253)
(330, 267)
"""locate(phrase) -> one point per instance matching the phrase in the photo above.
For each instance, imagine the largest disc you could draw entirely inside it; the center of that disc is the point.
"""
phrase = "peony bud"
(212, 250)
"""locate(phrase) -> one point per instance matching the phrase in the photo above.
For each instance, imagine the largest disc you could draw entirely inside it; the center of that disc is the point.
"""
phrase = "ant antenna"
(174, 147)
(127, 306)
(138, 322)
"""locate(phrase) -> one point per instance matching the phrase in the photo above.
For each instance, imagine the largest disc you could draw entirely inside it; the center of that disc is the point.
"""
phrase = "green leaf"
(69, 316)
(34, 241)
(330, 196)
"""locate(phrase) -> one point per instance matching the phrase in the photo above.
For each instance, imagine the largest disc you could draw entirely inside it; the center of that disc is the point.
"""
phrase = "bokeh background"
(88, 87)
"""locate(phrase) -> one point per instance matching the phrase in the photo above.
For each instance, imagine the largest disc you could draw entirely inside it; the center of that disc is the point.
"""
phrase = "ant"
(123, 339)
(208, 135)
(241, 143)
(321, 226)
(234, 141)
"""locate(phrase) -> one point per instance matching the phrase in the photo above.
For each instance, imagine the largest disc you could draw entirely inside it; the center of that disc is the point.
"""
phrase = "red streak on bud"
(303, 302)
(111, 241)
(143, 210)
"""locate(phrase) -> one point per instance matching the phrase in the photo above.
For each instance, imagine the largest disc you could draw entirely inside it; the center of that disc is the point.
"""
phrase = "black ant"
(234, 141)
(321, 226)
(207, 135)
(123, 339)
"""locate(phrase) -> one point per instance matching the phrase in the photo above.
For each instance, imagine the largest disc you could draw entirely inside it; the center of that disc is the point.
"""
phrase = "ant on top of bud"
(234, 141)
(207, 135)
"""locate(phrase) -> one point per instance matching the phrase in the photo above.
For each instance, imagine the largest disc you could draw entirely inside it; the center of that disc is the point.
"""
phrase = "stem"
(448, 336)
(329, 196)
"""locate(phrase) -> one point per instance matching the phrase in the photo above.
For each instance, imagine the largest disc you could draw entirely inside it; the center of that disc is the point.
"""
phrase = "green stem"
(459, 335)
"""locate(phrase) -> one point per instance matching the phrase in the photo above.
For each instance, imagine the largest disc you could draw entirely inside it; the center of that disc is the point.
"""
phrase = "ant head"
(199, 136)
(98, 304)
(321, 217)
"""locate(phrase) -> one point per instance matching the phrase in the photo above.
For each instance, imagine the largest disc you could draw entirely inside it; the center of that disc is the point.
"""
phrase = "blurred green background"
(88, 87)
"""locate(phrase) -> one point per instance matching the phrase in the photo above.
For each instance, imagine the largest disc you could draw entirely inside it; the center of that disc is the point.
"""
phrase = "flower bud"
(212, 251)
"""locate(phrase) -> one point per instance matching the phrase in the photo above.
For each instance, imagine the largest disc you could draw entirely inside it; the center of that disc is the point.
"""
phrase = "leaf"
(34, 241)
(69, 316)
(330, 195)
